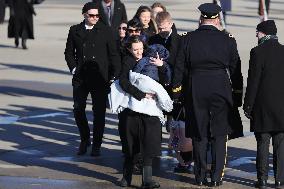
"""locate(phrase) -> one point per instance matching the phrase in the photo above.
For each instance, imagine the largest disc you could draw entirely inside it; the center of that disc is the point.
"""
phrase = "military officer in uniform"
(209, 56)
(92, 57)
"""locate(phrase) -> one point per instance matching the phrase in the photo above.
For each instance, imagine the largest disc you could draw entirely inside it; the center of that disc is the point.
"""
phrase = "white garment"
(119, 99)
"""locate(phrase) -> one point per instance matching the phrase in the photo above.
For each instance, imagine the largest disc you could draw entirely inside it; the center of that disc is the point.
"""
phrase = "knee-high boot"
(147, 182)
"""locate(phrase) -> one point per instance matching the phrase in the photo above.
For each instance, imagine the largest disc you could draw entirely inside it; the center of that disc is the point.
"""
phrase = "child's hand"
(157, 61)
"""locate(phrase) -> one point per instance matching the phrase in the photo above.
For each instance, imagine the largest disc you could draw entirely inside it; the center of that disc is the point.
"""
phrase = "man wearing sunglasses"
(92, 58)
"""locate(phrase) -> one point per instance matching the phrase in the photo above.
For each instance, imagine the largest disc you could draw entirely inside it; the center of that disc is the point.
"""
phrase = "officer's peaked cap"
(90, 5)
(209, 10)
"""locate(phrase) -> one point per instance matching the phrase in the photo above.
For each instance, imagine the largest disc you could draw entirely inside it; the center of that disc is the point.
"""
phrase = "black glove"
(247, 110)
(237, 99)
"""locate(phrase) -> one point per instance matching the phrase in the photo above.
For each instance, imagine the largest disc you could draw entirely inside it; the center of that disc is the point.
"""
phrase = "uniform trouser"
(218, 153)
(99, 98)
(262, 158)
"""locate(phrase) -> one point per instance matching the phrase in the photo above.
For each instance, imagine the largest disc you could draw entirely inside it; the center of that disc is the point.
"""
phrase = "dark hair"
(134, 23)
(140, 10)
(133, 39)
(158, 4)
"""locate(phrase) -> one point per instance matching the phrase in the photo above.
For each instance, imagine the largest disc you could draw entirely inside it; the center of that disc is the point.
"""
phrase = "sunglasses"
(122, 28)
(94, 15)
(133, 31)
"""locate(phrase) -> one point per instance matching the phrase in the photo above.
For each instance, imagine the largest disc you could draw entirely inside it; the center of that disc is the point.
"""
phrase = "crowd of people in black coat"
(106, 47)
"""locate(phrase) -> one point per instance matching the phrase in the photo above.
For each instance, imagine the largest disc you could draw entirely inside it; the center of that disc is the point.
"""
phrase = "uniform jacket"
(22, 12)
(94, 49)
(208, 55)
(264, 93)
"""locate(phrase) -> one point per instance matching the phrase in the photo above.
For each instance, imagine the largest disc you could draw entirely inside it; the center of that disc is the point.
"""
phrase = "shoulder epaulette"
(177, 89)
(231, 35)
(184, 34)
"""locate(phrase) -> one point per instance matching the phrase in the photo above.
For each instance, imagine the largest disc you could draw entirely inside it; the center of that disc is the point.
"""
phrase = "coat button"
(94, 57)
(93, 44)
(84, 45)
(84, 56)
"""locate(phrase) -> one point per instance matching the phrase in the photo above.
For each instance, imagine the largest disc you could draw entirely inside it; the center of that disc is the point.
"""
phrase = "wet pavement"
(38, 136)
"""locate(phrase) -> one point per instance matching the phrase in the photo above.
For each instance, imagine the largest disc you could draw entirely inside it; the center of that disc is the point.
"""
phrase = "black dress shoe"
(123, 183)
(96, 152)
(215, 183)
(202, 183)
(279, 185)
(16, 42)
(261, 184)
(83, 147)
(150, 185)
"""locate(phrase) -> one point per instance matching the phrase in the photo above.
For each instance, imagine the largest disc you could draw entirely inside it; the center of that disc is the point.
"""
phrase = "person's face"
(156, 10)
(107, 1)
(164, 28)
(133, 31)
(137, 50)
(122, 30)
(259, 35)
(145, 18)
(91, 17)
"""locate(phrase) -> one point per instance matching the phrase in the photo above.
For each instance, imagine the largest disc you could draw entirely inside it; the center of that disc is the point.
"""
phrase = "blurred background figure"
(156, 8)
(144, 15)
(263, 9)
(226, 6)
(112, 13)
(2, 10)
(21, 21)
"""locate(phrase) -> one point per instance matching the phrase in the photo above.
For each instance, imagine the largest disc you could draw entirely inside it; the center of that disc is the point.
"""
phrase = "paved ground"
(38, 138)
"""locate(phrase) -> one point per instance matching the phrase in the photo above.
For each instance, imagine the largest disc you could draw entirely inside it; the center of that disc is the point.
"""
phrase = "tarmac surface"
(38, 135)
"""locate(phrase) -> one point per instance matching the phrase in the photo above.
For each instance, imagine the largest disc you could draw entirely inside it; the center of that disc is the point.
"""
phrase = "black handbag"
(38, 1)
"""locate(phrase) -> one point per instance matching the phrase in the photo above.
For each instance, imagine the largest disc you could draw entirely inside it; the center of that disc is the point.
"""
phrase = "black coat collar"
(81, 28)
(208, 27)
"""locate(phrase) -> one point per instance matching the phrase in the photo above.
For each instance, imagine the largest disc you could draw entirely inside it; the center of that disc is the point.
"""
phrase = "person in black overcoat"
(141, 131)
(93, 59)
(169, 38)
(209, 56)
(2, 10)
(21, 21)
(117, 13)
(264, 103)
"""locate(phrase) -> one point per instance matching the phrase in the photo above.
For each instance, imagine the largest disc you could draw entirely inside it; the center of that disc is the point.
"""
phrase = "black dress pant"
(218, 153)
(142, 135)
(262, 158)
(99, 99)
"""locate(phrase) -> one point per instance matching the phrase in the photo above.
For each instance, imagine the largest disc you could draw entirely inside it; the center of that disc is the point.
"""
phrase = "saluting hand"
(157, 61)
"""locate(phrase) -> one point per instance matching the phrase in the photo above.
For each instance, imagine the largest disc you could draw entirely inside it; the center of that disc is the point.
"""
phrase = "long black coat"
(96, 48)
(206, 54)
(118, 15)
(21, 19)
(264, 98)
(2, 10)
